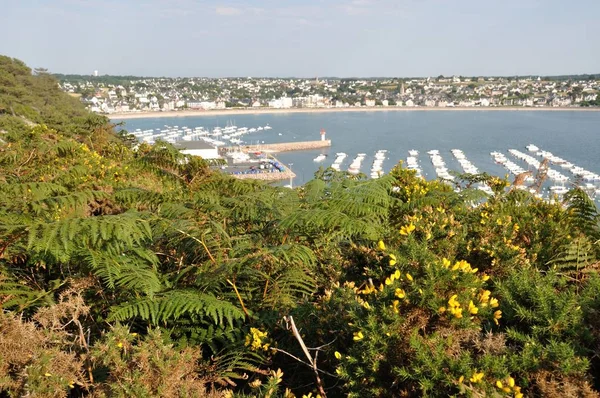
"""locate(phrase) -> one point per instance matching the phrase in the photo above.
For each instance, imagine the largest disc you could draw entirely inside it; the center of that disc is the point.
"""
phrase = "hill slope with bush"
(144, 273)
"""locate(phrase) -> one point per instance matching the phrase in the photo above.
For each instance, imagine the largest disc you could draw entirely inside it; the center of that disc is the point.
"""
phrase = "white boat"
(532, 148)
(320, 158)
(267, 127)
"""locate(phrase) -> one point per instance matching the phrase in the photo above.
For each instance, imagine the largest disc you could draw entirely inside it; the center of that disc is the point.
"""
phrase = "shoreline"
(250, 111)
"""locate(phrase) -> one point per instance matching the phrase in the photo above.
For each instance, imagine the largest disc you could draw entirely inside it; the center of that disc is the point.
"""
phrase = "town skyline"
(127, 94)
(337, 38)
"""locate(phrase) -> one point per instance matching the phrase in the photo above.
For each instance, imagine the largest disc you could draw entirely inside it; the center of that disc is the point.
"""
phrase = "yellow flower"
(472, 308)
(441, 310)
(457, 312)
(493, 302)
(337, 355)
(358, 336)
(392, 262)
(409, 277)
(400, 293)
(381, 245)
(388, 281)
(452, 302)
(497, 315)
(392, 256)
(395, 305)
(485, 277)
(407, 229)
(397, 274)
(460, 379)
(484, 296)
(499, 384)
(518, 395)
(120, 345)
(511, 381)
(476, 378)
(446, 263)
(71, 384)
(47, 374)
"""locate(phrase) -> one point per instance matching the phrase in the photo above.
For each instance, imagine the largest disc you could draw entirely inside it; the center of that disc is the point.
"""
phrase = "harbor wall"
(284, 175)
(283, 146)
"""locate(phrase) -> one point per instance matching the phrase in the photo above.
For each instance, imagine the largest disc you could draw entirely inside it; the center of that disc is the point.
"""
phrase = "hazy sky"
(304, 37)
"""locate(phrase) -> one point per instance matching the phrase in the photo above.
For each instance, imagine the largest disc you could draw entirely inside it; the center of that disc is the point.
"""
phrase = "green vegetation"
(143, 273)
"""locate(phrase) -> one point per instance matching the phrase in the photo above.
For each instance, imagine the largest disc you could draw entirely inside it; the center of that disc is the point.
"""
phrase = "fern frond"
(175, 304)
(574, 256)
(62, 238)
(583, 213)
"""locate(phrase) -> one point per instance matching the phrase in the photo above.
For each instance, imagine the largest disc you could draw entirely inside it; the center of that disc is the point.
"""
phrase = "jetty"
(280, 147)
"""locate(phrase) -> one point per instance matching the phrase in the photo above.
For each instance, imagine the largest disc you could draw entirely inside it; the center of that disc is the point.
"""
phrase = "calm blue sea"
(572, 135)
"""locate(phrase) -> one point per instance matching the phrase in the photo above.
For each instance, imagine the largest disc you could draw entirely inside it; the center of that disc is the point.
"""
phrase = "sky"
(304, 38)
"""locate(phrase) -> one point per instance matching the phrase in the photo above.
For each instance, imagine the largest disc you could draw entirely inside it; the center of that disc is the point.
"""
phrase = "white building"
(283, 102)
(198, 148)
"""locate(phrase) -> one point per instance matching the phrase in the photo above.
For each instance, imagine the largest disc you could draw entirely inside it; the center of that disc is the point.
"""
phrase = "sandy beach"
(252, 111)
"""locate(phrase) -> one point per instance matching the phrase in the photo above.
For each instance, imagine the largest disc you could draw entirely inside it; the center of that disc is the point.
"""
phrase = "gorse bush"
(144, 273)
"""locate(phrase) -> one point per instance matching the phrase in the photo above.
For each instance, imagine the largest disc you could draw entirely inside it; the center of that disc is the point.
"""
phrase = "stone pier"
(282, 147)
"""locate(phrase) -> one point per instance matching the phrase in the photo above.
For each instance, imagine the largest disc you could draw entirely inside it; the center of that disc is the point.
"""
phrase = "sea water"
(572, 135)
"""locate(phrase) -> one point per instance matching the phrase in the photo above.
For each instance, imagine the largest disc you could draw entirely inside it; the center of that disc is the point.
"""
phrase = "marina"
(463, 141)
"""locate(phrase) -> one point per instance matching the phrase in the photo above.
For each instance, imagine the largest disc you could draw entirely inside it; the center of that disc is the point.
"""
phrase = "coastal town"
(120, 95)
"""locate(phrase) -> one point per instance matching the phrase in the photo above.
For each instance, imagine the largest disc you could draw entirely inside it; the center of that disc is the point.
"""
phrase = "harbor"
(436, 145)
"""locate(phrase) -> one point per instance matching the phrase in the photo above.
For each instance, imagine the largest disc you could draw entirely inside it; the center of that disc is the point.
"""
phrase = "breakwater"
(264, 176)
(282, 147)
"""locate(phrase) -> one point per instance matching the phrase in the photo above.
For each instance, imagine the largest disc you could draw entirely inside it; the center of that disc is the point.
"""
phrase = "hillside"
(27, 98)
(142, 273)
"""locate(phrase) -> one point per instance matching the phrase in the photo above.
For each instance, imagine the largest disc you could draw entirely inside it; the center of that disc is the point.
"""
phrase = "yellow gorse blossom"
(407, 229)
(497, 315)
(337, 355)
(472, 308)
(400, 293)
(446, 263)
(389, 280)
(358, 336)
(454, 307)
(409, 277)
(484, 297)
(493, 302)
(477, 377)
(381, 245)
(255, 340)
